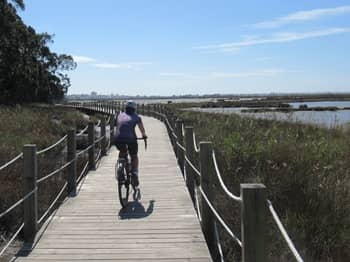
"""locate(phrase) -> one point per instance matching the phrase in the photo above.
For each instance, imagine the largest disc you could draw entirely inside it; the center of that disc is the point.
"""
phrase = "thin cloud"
(256, 73)
(130, 65)
(302, 16)
(83, 59)
(283, 37)
(268, 72)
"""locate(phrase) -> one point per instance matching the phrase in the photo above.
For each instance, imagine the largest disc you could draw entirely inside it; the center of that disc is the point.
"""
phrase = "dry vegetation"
(40, 125)
(307, 173)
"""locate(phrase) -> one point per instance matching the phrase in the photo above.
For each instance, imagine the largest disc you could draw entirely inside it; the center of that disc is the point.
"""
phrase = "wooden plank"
(161, 226)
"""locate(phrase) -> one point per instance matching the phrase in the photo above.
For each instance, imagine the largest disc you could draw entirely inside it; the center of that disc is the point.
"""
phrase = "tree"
(29, 70)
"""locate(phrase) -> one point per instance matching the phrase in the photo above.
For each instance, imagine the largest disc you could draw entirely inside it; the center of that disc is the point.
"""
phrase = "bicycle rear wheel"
(123, 188)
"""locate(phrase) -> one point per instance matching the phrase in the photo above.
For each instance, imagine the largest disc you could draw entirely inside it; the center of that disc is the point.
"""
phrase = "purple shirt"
(126, 127)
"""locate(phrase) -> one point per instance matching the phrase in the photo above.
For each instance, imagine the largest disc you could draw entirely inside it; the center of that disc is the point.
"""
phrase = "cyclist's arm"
(142, 129)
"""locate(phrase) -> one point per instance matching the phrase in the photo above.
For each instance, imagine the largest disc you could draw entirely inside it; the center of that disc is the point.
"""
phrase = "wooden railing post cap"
(205, 143)
(253, 186)
(29, 145)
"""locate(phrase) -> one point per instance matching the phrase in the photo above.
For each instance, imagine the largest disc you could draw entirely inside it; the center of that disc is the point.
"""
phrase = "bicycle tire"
(123, 188)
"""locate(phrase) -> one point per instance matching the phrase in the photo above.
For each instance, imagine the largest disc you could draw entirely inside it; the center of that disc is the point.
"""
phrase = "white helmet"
(130, 104)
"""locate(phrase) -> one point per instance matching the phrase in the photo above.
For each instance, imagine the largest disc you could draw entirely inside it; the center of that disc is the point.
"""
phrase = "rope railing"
(11, 161)
(284, 232)
(99, 139)
(98, 155)
(82, 131)
(84, 150)
(53, 203)
(83, 171)
(52, 146)
(55, 172)
(181, 146)
(197, 207)
(177, 145)
(196, 148)
(18, 203)
(218, 242)
(12, 239)
(218, 218)
(197, 172)
(222, 184)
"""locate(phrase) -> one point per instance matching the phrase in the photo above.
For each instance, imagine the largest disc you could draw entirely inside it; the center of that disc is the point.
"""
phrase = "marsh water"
(322, 118)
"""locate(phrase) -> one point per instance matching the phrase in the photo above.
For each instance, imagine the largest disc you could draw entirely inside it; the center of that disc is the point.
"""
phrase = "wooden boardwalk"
(161, 226)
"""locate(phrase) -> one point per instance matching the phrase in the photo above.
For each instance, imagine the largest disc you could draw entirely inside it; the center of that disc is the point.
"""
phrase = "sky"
(177, 47)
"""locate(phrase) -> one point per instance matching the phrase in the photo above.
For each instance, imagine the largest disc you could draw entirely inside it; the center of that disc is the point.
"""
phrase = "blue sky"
(168, 47)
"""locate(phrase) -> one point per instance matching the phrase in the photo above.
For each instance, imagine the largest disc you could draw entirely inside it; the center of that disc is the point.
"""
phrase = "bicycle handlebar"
(145, 139)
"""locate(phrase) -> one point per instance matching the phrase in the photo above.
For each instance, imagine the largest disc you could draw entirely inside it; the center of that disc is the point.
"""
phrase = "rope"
(228, 230)
(99, 140)
(218, 242)
(169, 126)
(284, 232)
(18, 203)
(180, 146)
(223, 186)
(11, 161)
(192, 166)
(85, 150)
(83, 172)
(197, 205)
(82, 131)
(55, 172)
(109, 143)
(52, 146)
(53, 203)
(98, 155)
(174, 135)
(196, 148)
(11, 240)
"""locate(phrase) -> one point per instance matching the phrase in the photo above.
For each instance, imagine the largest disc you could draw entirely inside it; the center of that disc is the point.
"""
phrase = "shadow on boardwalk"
(135, 209)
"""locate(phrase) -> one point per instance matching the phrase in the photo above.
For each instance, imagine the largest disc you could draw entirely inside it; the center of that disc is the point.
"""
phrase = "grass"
(307, 173)
(41, 125)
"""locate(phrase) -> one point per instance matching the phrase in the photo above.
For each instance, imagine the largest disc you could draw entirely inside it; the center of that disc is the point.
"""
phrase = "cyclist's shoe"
(134, 179)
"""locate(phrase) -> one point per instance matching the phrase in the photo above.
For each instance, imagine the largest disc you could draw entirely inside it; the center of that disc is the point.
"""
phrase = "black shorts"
(133, 148)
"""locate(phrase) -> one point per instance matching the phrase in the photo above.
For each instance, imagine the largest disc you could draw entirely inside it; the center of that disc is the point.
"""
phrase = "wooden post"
(30, 205)
(190, 174)
(104, 140)
(111, 129)
(253, 222)
(91, 138)
(180, 139)
(72, 169)
(208, 219)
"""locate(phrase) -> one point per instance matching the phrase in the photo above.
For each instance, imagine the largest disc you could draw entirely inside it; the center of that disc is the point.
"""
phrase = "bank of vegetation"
(307, 173)
(41, 125)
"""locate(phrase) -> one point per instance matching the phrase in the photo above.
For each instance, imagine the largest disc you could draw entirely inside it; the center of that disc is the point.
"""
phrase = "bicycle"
(123, 177)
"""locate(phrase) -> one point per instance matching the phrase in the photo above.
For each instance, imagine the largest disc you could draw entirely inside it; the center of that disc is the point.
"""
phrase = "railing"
(252, 199)
(29, 157)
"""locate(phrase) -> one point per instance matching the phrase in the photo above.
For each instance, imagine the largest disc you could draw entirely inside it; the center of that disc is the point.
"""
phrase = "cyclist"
(126, 139)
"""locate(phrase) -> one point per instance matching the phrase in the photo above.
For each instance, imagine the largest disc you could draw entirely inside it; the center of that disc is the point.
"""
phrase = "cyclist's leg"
(133, 150)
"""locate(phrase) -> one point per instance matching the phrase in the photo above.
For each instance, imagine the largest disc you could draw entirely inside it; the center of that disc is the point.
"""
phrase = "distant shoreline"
(298, 97)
